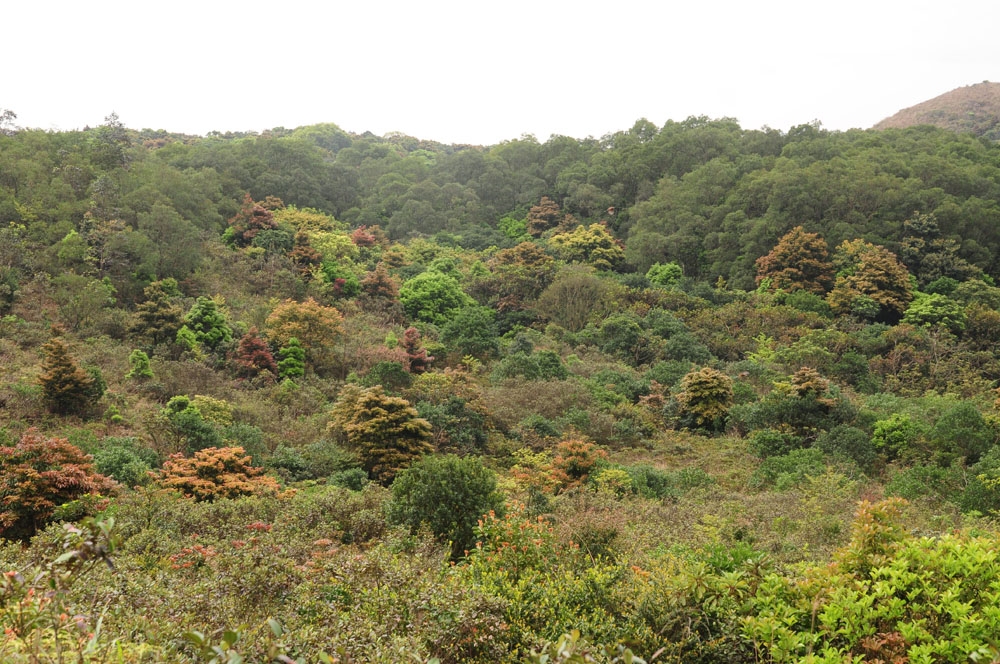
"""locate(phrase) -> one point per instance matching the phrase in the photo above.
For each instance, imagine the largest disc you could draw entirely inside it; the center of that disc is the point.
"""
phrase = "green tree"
(292, 359)
(139, 368)
(472, 331)
(449, 494)
(934, 309)
(665, 274)
(433, 297)
(207, 322)
(386, 432)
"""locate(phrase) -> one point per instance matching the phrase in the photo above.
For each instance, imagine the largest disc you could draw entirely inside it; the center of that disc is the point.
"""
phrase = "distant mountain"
(973, 108)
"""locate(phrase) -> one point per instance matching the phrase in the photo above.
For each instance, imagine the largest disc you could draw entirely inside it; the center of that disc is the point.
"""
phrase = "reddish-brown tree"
(250, 220)
(800, 261)
(253, 356)
(419, 360)
(37, 475)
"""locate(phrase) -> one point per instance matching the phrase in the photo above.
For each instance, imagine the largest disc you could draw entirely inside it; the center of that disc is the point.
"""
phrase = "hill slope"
(973, 108)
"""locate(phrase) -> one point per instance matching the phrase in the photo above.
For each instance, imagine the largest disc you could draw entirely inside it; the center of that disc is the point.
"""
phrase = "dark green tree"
(448, 494)
(292, 359)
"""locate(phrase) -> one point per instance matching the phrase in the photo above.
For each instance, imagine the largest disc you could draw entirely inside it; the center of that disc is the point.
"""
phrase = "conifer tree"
(158, 318)
(705, 398)
(66, 388)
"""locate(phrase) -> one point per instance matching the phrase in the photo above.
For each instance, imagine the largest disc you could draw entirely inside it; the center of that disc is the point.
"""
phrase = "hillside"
(973, 108)
(706, 393)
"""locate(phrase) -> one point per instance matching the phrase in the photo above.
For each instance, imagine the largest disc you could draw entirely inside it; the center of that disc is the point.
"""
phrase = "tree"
(870, 272)
(37, 475)
(66, 388)
(929, 256)
(158, 318)
(386, 432)
(432, 297)
(251, 219)
(665, 274)
(418, 358)
(705, 398)
(472, 331)
(449, 494)
(216, 472)
(800, 261)
(292, 359)
(253, 356)
(317, 328)
(208, 323)
(574, 295)
(592, 244)
(139, 368)
(545, 216)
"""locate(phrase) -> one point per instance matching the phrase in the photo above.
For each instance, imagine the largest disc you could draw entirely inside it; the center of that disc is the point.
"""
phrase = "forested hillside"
(690, 393)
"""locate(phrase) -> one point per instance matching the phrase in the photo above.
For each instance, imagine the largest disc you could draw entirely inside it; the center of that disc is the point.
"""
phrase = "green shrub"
(447, 493)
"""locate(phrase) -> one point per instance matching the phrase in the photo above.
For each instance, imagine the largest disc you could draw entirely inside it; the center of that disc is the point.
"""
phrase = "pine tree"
(66, 388)
(705, 398)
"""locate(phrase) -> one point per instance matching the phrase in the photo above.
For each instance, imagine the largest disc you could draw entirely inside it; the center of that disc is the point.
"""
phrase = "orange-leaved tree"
(36, 476)
(216, 472)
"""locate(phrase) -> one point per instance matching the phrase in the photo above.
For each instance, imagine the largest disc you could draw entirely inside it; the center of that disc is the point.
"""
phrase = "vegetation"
(690, 393)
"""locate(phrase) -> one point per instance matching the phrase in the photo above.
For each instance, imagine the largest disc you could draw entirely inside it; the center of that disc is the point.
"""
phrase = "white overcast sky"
(464, 71)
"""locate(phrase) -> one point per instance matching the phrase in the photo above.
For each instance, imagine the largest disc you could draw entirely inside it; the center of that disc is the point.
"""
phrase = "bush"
(850, 443)
(36, 476)
(216, 473)
(788, 470)
(447, 493)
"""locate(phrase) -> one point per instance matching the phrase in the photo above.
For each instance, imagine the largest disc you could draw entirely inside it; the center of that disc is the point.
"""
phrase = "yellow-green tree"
(705, 398)
(871, 282)
(385, 431)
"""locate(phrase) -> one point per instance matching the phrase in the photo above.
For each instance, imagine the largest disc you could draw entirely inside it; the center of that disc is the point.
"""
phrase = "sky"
(484, 72)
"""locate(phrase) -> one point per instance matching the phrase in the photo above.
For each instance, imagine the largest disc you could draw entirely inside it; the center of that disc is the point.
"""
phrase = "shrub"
(447, 493)
(216, 473)
(37, 475)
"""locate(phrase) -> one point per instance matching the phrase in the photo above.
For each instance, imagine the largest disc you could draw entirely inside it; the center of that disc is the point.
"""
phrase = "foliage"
(37, 475)
(798, 262)
(593, 245)
(215, 472)
(66, 388)
(574, 461)
(291, 360)
(315, 326)
(447, 493)
(704, 398)
(385, 431)
(865, 270)
(207, 323)
(432, 297)
(253, 356)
